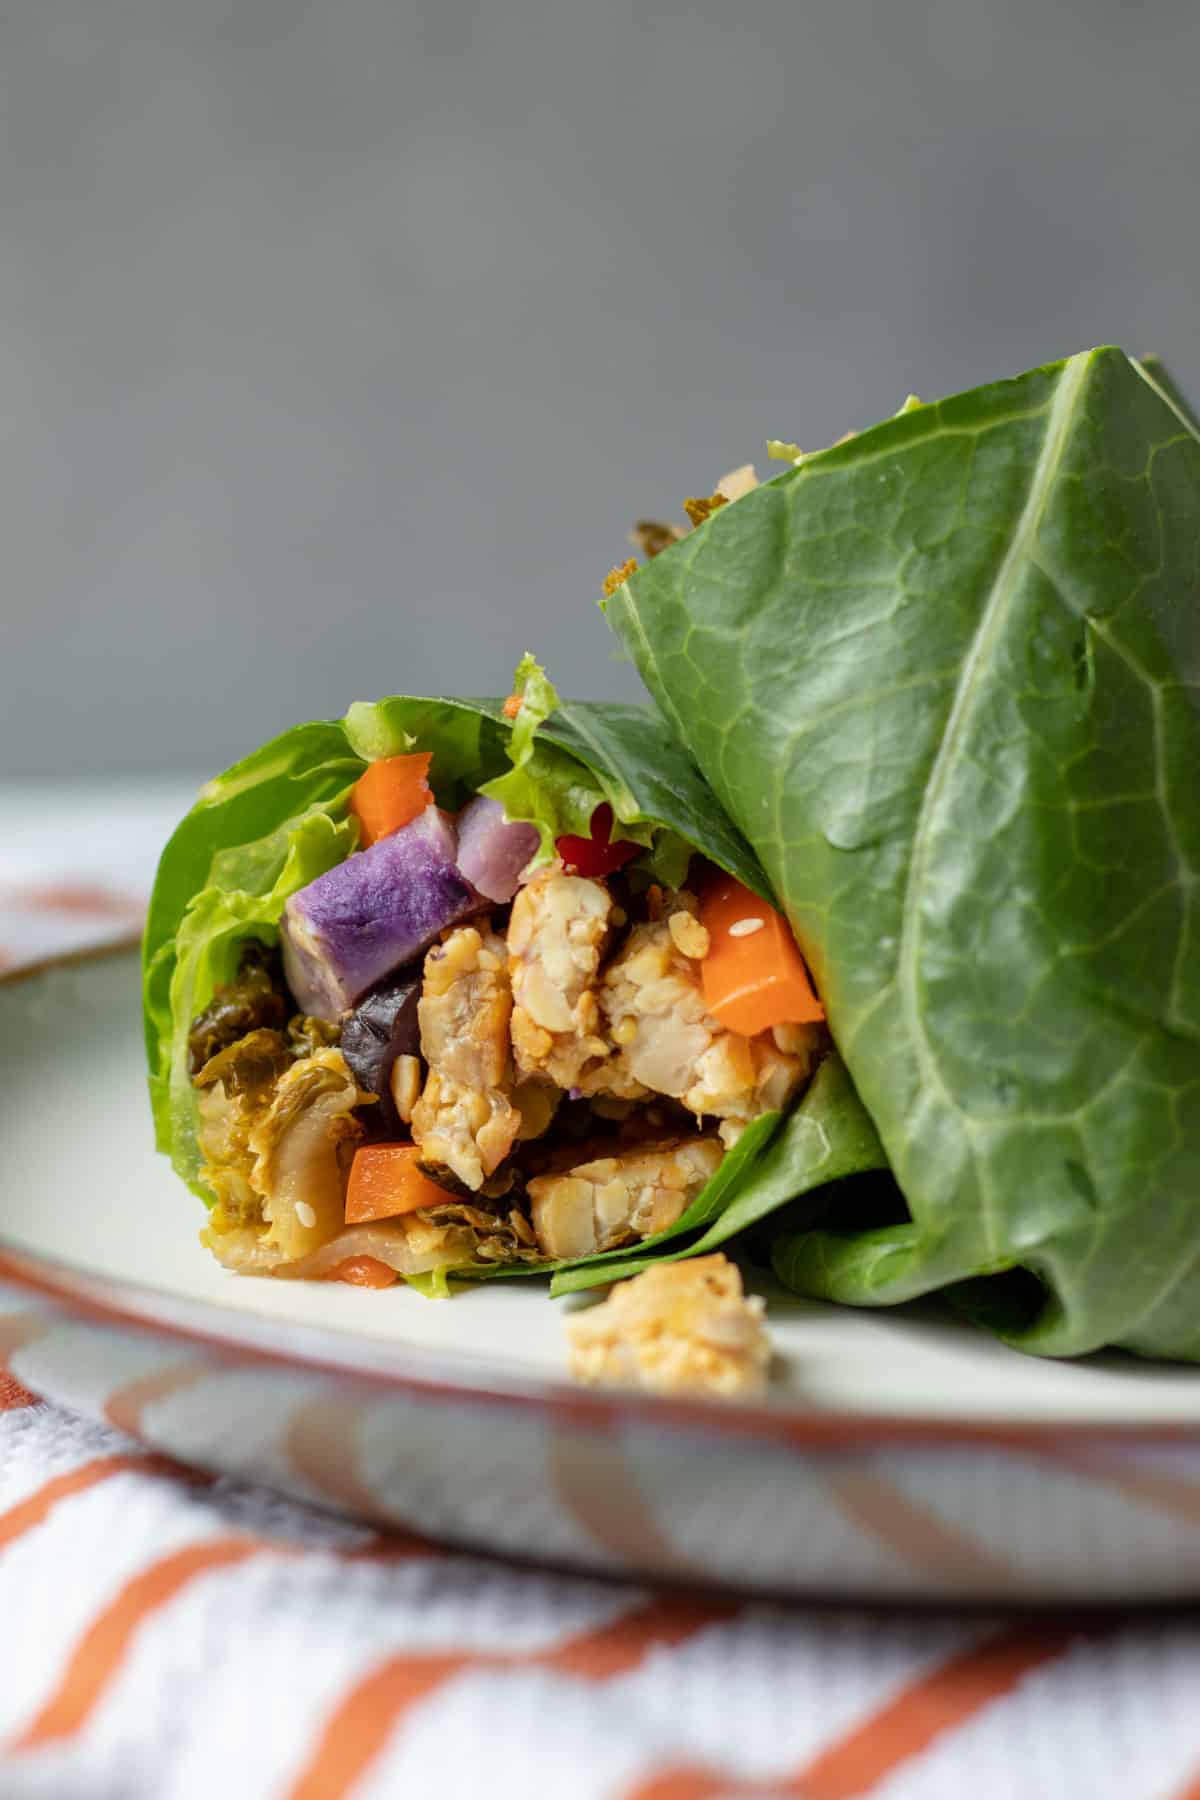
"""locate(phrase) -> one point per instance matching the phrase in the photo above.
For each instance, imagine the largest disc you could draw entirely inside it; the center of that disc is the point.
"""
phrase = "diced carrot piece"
(753, 975)
(363, 1271)
(385, 1181)
(391, 794)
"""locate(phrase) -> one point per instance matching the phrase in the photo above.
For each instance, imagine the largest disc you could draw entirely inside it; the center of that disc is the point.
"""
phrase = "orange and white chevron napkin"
(173, 1637)
(167, 1635)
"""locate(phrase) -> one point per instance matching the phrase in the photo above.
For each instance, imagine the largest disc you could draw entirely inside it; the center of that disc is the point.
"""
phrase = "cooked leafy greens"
(945, 677)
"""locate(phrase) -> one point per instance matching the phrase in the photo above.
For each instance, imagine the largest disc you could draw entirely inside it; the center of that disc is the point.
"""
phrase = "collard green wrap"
(279, 818)
(945, 677)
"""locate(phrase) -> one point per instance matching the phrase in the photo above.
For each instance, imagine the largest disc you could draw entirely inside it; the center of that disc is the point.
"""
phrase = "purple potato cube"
(492, 850)
(379, 909)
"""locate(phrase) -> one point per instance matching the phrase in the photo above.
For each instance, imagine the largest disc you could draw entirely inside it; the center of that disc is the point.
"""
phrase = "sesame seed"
(305, 1214)
(744, 927)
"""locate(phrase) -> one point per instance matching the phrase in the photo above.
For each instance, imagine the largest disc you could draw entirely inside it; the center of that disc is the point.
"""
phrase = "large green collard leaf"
(946, 679)
(1164, 381)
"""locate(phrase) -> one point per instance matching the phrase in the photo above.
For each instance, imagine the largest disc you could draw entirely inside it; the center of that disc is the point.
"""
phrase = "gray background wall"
(340, 343)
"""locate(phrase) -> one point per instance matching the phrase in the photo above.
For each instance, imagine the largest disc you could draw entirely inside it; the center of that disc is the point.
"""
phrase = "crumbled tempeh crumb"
(635, 1192)
(557, 935)
(699, 510)
(738, 482)
(464, 1120)
(682, 1327)
(654, 1014)
(618, 577)
(653, 536)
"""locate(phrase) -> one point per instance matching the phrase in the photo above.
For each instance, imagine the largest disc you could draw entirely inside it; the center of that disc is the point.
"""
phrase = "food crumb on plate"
(683, 1327)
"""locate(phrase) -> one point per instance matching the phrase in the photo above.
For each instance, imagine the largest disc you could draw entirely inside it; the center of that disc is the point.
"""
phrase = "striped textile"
(171, 1635)
(165, 1634)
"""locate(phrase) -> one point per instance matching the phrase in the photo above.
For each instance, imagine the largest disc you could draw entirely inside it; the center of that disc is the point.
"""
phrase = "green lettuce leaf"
(544, 785)
(558, 763)
(307, 766)
(589, 753)
(433, 1284)
(269, 824)
(243, 897)
(945, 677)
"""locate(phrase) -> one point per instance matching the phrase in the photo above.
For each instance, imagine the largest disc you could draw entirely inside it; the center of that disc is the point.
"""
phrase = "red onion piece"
(493, 850)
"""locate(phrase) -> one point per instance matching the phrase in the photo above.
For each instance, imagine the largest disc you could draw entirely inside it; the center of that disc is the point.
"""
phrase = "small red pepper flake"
(597, 856)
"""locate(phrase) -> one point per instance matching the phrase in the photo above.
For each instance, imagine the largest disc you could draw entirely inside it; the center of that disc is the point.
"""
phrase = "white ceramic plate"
(899, 1455)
